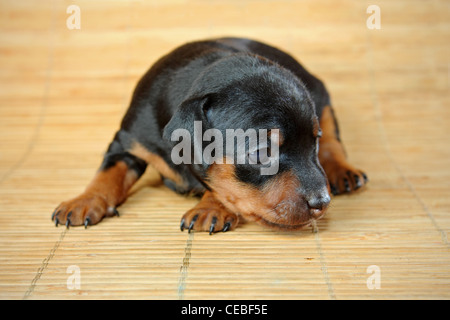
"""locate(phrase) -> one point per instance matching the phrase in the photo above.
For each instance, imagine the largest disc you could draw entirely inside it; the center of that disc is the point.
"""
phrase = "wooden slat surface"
(63, 93)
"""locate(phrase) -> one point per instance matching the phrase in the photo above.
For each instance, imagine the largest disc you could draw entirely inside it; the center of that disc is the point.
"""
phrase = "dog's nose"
(318, 203)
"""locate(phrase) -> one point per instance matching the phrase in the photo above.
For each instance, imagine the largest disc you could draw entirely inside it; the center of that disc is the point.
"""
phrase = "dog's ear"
(186, 129)
(190, 111)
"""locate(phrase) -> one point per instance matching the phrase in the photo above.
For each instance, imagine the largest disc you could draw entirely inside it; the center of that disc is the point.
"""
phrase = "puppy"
(207, 89)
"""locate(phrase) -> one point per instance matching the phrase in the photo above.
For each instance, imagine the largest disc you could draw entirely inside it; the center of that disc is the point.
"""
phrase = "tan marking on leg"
(342, 176)
(157, 162)
(107, 190)
(113, 183)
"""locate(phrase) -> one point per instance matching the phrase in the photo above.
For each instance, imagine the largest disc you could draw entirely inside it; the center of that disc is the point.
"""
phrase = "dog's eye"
(260, 156)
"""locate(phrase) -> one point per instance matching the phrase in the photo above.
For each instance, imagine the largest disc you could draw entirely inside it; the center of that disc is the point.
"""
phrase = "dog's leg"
(343, 177)
(109, 188)
(209, 215)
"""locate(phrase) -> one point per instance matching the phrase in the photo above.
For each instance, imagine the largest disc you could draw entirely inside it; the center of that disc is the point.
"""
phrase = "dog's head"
(253, 140)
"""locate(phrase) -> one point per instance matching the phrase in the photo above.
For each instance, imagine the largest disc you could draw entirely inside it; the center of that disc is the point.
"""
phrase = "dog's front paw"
(209, 219)
(344, 178)
(86, 209)
(209, 215)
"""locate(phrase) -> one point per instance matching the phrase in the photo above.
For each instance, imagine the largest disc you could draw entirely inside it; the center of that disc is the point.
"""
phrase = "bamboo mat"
(63, 93)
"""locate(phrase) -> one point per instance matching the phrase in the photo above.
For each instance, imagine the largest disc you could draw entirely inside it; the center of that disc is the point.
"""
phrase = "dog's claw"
(86, 222)
(347, 185)
(226, 227)
(54, 214)
(213, 224)
(191, 225)
(68, 219)
(358, 183)
(365, 177)
(182, 225)
(116, 213)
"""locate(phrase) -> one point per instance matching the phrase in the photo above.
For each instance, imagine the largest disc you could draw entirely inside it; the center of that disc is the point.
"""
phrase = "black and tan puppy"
(226, 84)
